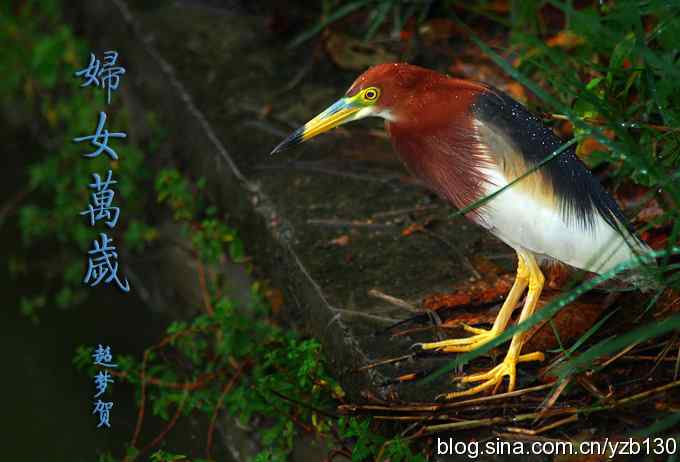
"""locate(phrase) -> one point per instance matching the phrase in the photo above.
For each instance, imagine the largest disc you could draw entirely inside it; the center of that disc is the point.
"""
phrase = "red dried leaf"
(588, 146)
(438, 301)
(485, 317)
(412, 228)
(475, 294)
(341, 241)
(516, 90)
(571, 322)
(650, 212)
(565, 39)
(275, 298)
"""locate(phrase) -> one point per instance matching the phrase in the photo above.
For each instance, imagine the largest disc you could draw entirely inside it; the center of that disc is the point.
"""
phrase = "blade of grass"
(670, 421)
(338, 14)
(379, 17)
(642, 162)
(646, 332)
(487, 198)
(591, 332)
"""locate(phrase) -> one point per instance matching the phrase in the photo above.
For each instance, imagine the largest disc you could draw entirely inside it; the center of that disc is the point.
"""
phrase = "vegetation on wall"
(229, 358)
(606, 73)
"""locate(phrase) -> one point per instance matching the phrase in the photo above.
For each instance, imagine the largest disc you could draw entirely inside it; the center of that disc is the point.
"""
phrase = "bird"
(466, 140)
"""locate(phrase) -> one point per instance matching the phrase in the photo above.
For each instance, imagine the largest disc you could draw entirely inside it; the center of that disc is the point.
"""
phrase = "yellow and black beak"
(343, 110)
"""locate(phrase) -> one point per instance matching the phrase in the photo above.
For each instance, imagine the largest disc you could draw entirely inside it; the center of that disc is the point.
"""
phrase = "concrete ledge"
(207, 72)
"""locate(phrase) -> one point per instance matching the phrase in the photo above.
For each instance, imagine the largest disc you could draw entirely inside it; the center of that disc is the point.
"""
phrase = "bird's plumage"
(573, 219)
(481, 140)
(466, 140)
(578, 194)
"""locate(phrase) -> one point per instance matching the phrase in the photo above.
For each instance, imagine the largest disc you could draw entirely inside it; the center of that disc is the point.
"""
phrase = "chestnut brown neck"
(437, 142)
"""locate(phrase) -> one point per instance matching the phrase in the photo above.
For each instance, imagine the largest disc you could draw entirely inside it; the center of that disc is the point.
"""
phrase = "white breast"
(525, 223)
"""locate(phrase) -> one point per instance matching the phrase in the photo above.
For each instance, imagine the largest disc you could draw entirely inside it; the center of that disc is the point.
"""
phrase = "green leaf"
(45, 64)
(236, 251)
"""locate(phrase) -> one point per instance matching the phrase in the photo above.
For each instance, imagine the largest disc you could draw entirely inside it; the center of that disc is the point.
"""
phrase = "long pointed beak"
(338, 113)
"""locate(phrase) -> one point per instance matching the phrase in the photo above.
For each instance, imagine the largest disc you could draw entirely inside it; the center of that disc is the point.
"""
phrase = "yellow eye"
(371, 94)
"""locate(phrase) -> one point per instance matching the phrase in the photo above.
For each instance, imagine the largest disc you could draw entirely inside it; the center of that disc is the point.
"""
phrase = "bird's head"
(381, 91)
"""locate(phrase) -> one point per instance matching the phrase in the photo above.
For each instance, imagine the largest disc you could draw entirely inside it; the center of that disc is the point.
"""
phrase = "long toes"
(476, 330)
(494, 377)
(512, 380)
(535, 356)
(446, 343)
(460, 348)
(488, 375)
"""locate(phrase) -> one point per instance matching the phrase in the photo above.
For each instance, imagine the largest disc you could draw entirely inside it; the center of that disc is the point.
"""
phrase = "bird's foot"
(461, 345)
(494, 377)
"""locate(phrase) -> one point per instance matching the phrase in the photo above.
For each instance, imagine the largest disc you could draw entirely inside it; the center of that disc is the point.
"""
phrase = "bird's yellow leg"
(494, 377)
(482, 336)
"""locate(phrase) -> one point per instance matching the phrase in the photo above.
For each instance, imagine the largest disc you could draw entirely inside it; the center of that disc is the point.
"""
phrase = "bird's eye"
(371, 94)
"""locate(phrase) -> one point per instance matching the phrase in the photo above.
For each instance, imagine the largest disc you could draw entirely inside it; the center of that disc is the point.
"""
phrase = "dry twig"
(395, 301)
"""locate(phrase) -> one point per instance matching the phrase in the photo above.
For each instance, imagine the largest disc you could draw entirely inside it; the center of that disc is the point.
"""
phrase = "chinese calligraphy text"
(102, 264)
(102, 357)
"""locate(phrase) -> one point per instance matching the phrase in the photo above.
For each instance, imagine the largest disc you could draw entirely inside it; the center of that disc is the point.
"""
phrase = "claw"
(459, 345)
(494, 377)
(528, 274)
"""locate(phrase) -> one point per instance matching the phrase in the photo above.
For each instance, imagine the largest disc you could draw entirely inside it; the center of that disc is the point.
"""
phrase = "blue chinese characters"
(102, 264)
(102, 357)
(106, 75)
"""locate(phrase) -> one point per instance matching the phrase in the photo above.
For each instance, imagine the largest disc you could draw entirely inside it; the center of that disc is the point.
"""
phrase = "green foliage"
(138, 235)
(210, 235)
(625, 54)
(277, 376)
(164, 456)
(40, 51)
(106, 457)
(82, 360)
(377, 12)
(29, 307)
(368, 443)
(283, 371)
(274, 377)
(173, 189)
(399, 450)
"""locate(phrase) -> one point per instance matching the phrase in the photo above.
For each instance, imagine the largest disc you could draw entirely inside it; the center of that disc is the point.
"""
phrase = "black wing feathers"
(579, 192)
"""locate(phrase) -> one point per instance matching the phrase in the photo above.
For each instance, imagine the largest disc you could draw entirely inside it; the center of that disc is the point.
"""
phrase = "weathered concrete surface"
(208, 72)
